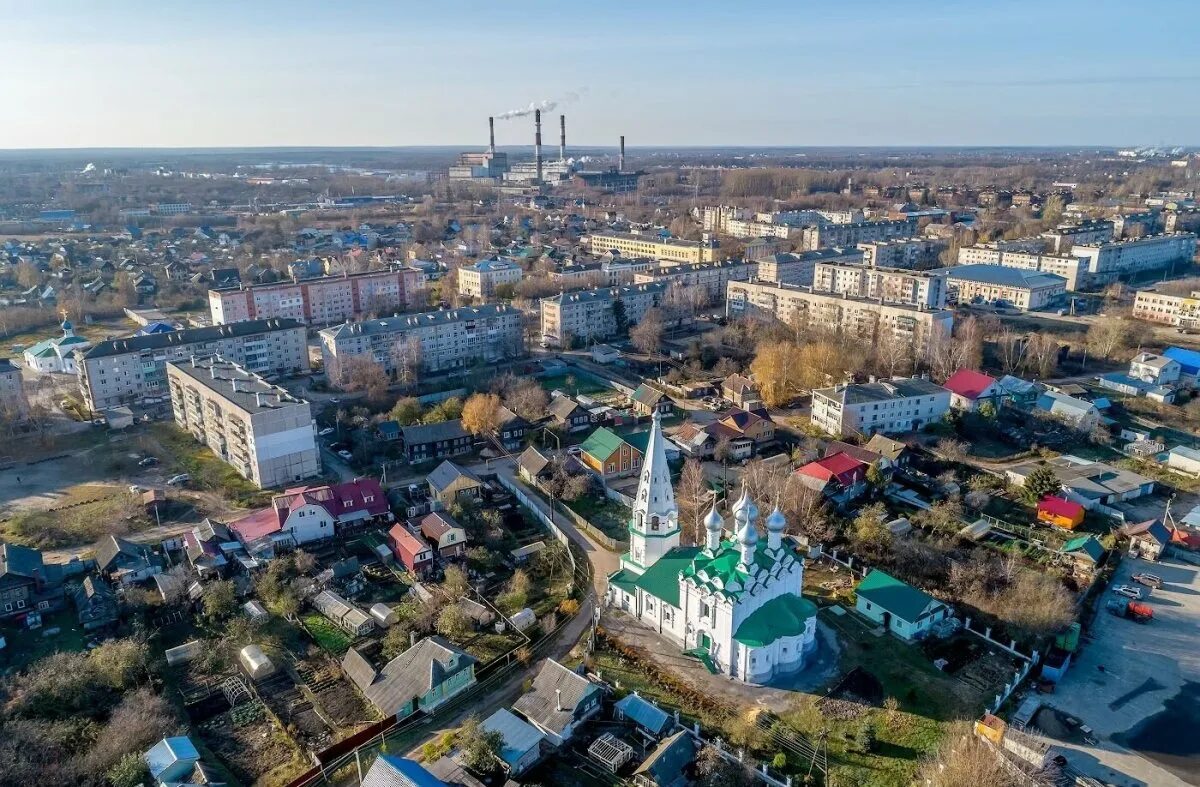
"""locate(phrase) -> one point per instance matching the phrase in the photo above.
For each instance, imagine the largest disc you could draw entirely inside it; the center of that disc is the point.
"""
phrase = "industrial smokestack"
(537, 142)
(562, 137)
(492, 135)
(621, 158)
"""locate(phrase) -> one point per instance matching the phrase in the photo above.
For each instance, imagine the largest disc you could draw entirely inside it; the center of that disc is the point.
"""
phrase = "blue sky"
(268, 72)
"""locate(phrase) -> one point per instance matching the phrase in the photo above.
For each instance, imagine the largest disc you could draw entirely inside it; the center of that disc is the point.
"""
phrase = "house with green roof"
(610, 454)
(734, 603)
(1086, 552)
(900, 608)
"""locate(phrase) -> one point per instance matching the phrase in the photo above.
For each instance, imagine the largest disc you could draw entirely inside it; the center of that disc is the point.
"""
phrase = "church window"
(654, 523)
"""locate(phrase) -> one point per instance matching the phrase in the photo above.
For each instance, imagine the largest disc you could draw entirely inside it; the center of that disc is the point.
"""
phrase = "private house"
(422, 677)
(741, 391)
(1076, 413)
(1189, 364)
(894, 452)
(520, 741)
(27, 584)
(1091, 484)
(1155, 369)
(125, 562)
(1085, 553)
(95, 604)
(444, 534)
(900, 608)
(969, 389)
(1060, 513)
(449, 483)
(559, 701)
(669, 764)
(426, 442)
(651, 719)
(867, 457)
(410, 549)
(610, 454)
(695, 440)
(1184, 459)
(387, 431)
(533, 466)
(511, 431)
(648, 399)
(569, 415)
(839, 477)
(756, 425)
(343, 613)
(1147, 539)
(312, 513)
(1018, 392)
(389, 770)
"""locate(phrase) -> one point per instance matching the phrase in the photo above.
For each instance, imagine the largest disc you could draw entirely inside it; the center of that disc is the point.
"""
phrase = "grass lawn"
(606, 515)
(183, 454)
(578, 384)
(82, 515)
(25, 647)
(486, 647)
(327, 635)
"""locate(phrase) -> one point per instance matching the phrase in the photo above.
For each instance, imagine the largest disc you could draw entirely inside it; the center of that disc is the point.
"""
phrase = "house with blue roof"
(389, 770)
(645, 714)
(1189, 363)
(520, 741)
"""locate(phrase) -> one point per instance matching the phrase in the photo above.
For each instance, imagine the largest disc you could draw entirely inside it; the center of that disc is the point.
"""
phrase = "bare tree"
(693, 496)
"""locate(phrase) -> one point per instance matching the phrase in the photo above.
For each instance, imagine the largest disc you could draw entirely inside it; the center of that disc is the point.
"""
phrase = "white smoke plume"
(546, 104)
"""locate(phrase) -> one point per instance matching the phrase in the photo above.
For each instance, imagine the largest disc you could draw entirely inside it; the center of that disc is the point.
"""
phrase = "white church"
(734, 603)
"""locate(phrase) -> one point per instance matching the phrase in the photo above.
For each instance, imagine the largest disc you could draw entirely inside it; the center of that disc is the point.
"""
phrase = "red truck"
(1134, 610)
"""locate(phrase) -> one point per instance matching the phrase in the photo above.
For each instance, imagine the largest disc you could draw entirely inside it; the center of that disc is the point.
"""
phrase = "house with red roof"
(410, 549)
(1059, 512)
(969, 389)
(311, 513)
(840, 477)
(443, 531)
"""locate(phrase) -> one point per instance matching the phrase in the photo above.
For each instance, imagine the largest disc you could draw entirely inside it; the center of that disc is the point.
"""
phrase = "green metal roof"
(639, 440)
(602, 443)
(901, 599)
(782, 616)
(625, 580)
(716, 573)
(661, 580)
(1086, 544)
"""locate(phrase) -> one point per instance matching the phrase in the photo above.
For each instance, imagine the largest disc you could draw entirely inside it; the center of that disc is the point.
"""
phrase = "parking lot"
(1136, 685)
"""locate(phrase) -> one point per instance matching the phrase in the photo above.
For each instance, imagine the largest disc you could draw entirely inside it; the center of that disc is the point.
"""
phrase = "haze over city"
(366, 73)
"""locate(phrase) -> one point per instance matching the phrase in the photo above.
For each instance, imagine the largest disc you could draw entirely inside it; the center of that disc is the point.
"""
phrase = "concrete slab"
(1134, 685)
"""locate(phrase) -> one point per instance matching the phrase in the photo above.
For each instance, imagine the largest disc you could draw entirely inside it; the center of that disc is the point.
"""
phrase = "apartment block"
(1178, 310)
(1107, 262)
(863, 317)
(1063, 237)
(320, 301)
(1182, 220)
(1024, 289)
(431, 341)
(13, 401)
(992, 251)
(799, 267)
(1135, 225)
(672, 251)
(825, 235)
(924, 289)
(902, 404)
(573, 317)
(716, 219)
(710, 277)
(915, 253)
(259, 429)
(757, 229)
(124, 371)
(481, 279)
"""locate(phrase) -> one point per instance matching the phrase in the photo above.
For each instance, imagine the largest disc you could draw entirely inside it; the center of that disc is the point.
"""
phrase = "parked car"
(1149, 580)
(149, 460)
(326, 431)
(345, 455)
(178, 480)
(1128, 591)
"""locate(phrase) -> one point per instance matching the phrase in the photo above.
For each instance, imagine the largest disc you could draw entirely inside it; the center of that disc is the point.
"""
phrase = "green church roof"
(661, 580)
(782, 616)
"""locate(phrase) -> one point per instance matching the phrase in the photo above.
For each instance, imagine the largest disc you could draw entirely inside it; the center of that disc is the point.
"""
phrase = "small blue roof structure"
(1189, 360)
(519, 736)
(389, 770)
(644, 713)
(171, 759)
(156, 327)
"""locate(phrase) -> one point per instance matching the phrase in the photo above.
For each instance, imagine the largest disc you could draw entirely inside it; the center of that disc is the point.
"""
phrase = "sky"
(133, 73)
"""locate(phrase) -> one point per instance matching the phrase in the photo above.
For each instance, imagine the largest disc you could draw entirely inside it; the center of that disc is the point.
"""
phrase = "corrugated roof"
(899, 598)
